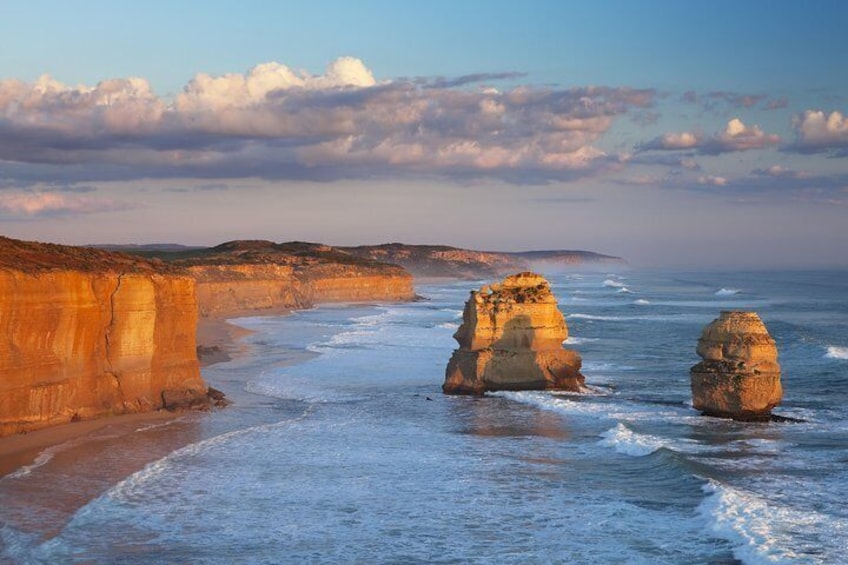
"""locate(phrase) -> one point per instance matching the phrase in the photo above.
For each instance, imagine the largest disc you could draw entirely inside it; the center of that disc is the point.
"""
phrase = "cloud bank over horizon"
(276, 123)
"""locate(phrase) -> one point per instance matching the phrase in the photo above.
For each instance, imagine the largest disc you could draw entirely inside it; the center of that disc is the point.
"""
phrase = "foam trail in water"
(836, 352)
(727, 291)
(43, 458)
(613, 283)
(753, 525)
(572, 340)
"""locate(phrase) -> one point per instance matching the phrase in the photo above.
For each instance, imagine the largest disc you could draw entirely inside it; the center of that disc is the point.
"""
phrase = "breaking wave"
(727, 291)
(613, 283)
(626, 441)
(755, 527)
(836, 352)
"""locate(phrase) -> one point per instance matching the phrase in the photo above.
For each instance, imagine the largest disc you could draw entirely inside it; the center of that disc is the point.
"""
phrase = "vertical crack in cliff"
(110, 368)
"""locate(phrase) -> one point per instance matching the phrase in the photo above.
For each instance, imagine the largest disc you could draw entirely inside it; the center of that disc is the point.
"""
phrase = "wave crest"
(626, 441)
(727, 291)
(752, 525)
(836, 352)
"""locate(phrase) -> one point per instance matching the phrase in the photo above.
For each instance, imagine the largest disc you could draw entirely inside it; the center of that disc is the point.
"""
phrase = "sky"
(671, 133)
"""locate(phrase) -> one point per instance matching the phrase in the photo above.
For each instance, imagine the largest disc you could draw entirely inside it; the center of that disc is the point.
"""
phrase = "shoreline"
(219, 341)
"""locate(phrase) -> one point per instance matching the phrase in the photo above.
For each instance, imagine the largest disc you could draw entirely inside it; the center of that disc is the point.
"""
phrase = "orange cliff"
(86, 333)
(255, 277)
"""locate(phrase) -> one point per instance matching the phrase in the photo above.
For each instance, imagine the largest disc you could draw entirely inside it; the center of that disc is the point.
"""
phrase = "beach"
(103, 451)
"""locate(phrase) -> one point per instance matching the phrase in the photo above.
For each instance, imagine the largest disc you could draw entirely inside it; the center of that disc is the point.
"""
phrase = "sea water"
(340, 446)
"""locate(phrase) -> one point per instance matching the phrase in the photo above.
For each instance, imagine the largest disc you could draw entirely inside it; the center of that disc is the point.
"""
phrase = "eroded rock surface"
(85, 333)
(739, 376)
(511, 339)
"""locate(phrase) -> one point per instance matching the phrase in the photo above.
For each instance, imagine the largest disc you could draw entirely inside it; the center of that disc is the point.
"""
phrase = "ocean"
(341, 448)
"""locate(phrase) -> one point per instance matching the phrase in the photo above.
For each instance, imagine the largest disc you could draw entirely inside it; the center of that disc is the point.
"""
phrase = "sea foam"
(626, 441)
(727, 291)
(751, 524)
(613, 283)
(836, 352)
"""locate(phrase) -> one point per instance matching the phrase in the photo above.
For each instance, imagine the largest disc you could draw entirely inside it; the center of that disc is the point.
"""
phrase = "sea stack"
(739, 376)
(511, 339)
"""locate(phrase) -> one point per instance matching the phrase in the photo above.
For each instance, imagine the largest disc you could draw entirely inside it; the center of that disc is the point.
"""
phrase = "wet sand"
(48, 474)
(218, 340)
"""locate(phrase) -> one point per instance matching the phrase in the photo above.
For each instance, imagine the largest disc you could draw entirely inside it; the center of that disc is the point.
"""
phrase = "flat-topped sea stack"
(739, 376)
(511, 339)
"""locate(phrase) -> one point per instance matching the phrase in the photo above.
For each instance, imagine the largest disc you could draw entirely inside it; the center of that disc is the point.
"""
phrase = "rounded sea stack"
(739, 376)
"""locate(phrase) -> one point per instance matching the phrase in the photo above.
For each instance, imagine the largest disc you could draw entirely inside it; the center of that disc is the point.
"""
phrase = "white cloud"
(277, 122)
(817, 131)
(736, 137)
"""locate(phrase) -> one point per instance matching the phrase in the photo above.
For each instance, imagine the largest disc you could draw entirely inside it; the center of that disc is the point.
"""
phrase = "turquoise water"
(341, 447)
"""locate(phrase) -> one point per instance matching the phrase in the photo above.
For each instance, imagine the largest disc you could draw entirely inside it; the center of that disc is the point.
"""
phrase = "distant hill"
(146, 247)
(445, 261)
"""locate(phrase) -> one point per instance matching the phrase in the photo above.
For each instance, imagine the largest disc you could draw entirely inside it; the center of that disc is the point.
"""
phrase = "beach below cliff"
(79, 461)
(217, 336)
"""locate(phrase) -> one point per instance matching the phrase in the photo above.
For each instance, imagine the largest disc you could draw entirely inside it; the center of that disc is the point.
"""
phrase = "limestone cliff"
(85, 333)
(243, 277)
(739, 376)
(511, 339)
(233, 289)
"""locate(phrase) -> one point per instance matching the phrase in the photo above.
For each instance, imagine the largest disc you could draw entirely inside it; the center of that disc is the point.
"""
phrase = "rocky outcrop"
(86, 333)
(739, 376)
(511, 339)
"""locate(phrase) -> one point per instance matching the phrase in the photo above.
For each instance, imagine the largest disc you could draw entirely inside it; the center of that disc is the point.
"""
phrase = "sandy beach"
(79, 461)
(218, 341)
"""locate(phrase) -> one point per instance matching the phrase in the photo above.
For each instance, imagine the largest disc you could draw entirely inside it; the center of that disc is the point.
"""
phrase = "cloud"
(816, 131)
(779, 171)
(31, 204)
(674, 141)
(776, 104)
(720, 100)
(712, 180)
(276, 122)
(735, 137)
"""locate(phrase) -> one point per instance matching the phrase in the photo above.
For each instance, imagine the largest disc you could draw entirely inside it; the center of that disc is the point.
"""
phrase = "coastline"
(218, 340)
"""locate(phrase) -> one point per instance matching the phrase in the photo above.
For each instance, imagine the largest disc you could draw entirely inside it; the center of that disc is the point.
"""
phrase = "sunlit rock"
(739, 376)
(511, 339)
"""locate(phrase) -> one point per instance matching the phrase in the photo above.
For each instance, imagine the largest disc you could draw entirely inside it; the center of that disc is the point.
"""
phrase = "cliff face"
(345, 283)
(86, 342)
(511, 339)
(242, 277)
(739, 376)
(231, 289)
